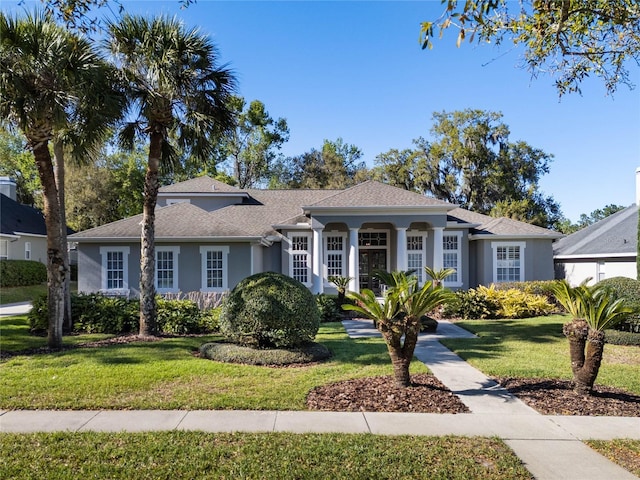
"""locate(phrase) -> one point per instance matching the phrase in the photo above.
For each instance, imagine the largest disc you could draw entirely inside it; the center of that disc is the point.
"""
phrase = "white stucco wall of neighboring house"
(577, 271)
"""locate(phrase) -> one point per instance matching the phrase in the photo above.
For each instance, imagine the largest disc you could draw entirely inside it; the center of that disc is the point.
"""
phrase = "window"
(214, 268)
(27, 250)
(601, 274)
(415, 255)
(4, 249)
(451, 248)
(300, 257)
(372, 239)
(167, 269)
(508, 262)
(115, 268)
(334, 254)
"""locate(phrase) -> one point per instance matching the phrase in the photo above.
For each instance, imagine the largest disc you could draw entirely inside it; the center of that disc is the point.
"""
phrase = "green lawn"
(254, 456)
(167, 375)
(22, 294)
(537, 348)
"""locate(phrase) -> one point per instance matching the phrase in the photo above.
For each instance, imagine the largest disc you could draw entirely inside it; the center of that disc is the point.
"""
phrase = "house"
(606, 249)
(210, 235)
(23, 234)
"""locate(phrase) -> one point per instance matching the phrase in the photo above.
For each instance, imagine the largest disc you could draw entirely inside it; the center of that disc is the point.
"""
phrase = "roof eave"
(578, 256)
(234, 238)
(409, 209)
(493, 236)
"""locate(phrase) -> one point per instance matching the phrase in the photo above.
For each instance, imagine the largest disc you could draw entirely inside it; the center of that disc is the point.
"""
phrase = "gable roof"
(377, 194)
(615, 235)
(498, 227)
(16, 218)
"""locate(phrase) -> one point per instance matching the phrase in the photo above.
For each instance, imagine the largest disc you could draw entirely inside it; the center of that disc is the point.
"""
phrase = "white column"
(318, 284)
(401, 251)
(437, 248)
(353, 272)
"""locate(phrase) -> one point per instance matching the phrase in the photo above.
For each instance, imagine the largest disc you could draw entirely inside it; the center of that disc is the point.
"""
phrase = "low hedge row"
(629, 289)
(21, 273)
(95, 313)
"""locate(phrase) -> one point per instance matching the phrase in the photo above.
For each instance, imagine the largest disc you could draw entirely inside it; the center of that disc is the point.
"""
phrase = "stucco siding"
(575, 271)
(16, 248)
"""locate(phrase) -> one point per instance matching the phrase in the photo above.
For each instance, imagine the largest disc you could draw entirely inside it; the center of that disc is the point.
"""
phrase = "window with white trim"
(4, 249)
(115, 268)
(300, 257)
(451, 248)
(334, 254)
(167, 269)
(416, 246)
(27, 250)
(508, 261)
(214, 268)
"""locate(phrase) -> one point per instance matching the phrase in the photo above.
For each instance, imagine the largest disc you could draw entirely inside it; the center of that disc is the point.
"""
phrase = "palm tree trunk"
(148, 313)
(576, 332)
(399, 361)
(586, 377)
(58, 154)
(56, 272)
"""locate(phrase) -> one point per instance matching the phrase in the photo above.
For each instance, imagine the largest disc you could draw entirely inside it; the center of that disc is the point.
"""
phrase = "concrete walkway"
(549, 446)
(10, 309)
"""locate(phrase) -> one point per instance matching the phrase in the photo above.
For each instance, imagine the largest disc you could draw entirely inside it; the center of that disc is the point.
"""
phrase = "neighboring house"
(23, 235)
(209, 236)
(605, 249)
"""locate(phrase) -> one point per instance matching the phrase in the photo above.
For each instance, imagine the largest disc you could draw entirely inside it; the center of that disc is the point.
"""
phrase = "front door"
(371, 260)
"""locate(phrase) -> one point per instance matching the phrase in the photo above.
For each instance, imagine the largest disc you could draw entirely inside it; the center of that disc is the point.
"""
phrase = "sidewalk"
(11, 309)
(549, 446)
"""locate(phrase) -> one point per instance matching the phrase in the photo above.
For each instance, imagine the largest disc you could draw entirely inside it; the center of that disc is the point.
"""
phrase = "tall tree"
(567, 39)
(179, 99)
(564, 225)
(397, 168)
(47, 76)
(337, 165)
(472, 163)
(253, 145)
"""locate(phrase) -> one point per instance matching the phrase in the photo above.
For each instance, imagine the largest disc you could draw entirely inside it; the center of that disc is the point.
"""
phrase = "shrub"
(231, 353)
(534, 287)
(21, 273)
(616, 337)
(270, 309)
(178, 317)
(39, 316)
(492, 302)
(210, 320)
(628, 288)
(329, 308)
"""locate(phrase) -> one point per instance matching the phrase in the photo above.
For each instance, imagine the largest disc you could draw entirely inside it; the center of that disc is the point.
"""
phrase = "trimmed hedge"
(232, 353)
(95, 313)
(21, 273)
(270, 310)
(329, 307)
(616, 337)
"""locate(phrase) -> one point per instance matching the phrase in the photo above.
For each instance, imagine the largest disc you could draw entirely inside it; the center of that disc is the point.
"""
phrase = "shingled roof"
(613, 235)
(199, 185)
(376, 194)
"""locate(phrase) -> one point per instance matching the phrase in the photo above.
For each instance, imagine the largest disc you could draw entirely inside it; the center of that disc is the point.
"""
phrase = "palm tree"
(593, 309)
(46, 74)
(179, 98)
(399, 315)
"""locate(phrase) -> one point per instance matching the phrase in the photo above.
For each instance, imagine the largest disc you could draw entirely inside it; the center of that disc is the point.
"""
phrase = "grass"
(625, 453)
(253, 456)
(22, 294)
(166, 374)
(537, 348)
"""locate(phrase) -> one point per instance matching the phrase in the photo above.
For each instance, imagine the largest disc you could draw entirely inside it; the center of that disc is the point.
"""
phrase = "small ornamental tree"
(397, 317)
(270, 310)
(593, 310)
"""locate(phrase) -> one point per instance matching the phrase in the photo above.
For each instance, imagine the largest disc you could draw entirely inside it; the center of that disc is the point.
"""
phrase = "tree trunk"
(586, 377)
(399, 361)
(576, 331)
(148, 313)
(58, 153)
(56, 272)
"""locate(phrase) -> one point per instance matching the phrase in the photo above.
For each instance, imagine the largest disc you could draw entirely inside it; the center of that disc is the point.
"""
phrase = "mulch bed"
(428, 395)
(379, 394)
(556, 397)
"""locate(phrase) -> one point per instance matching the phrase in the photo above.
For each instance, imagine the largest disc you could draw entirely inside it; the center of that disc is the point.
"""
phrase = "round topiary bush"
(629, 289)
(270, 310)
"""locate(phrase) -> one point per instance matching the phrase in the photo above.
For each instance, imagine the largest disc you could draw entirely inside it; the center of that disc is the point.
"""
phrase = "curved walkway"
(550, 446)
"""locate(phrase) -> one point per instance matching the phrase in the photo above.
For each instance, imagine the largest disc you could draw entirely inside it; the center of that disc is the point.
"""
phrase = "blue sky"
(356, 70)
